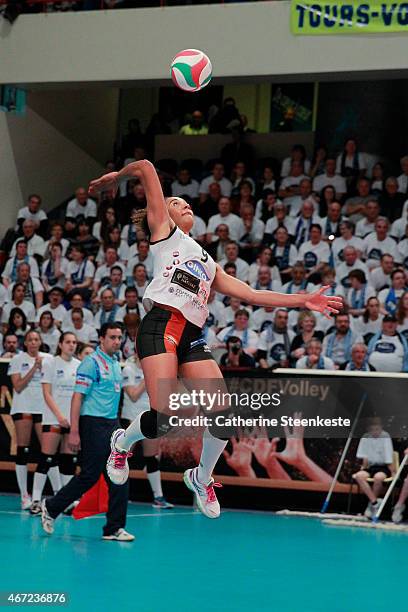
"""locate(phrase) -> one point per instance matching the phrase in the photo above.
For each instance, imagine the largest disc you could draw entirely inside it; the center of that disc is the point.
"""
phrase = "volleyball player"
(27, 407)
(58, 382)
(135, 401)
(169, 340)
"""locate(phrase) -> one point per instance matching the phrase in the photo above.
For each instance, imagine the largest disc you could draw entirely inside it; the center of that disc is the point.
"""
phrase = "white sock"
(55, 478)
(155, 483)
(65, 478)
(21, 473)
(38, 485)
(131, 435)
(212, 449)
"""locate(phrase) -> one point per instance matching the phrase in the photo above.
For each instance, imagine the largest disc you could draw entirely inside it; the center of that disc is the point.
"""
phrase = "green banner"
(334, 17)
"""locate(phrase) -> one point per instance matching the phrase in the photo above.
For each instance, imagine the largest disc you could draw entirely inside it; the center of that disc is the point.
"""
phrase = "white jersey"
(132, 375)
(61, 375)
(182, 276)
(30, 399)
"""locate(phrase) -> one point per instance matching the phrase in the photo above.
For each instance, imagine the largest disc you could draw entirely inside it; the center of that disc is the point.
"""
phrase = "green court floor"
(182, 561)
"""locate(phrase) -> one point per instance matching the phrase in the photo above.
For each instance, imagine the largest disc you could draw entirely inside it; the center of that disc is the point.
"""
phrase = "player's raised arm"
(233, 287)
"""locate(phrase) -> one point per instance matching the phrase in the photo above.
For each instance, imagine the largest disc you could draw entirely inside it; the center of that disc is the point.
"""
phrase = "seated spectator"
(366, 225)
(216, 318)
(326, 197)
(35, 244)
(108, 310)
(263, 259)
(113, 242)
(55, 306)
(330, 177)
(77, 301)
(299, 282)
(376, 452)
(328, 278)
(267, 180)
(331, 224)
(184, 185)
(216, 176)
(210, 206)
(101, 228)
(380, 277)
(264, 280)
(10, 271)
(284, 253)
(358, 294)
(131, 322)
(10, 346)
(347, 238)
(81, 206)
(378, 243)
(248, 337)
(377, 179)
(304, 223)
(115, 283)
(235, 223)
(139, 280)
(33, 212)
(354, 206)
(18, 301)
(225, 116)
(261, 318)
(231, 256)
(244, 198)
(318, 163)
(55, 269)
(33, 289)
(295, 203)
(298, 154)
(85, 239)
(221, 238)
(17, 324)
(103, 272)
(358, 361)
(403, 177)
(314, 254)
(337, 344)
(389, 297)
(57, 233)
(140, 253)
(402, 315)
(275, 341)
(280, 219)
(314, 360)
(370, 322)
(232, 308)
(265, 207)
(238, 176)
(398, 228)
(251, 239)
(391, 202)
(235, 357)
(351, 262)
(84, 332)
(132, 305)
(402, 250)
(80, 274)
(48, 331)
(306, 326)
(196, 125)
(290, 186)
(388, 349)
(351, 164)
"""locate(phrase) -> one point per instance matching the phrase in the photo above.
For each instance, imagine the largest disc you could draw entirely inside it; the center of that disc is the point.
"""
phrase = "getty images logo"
(197, 269)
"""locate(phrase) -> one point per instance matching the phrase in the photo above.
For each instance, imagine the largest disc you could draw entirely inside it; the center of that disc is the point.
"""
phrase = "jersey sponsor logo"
(385, 347)
(59, 373)
(276, 351)
(186, 281)
(310, 259)
(374, 254)
(197, 269)
(24, 366)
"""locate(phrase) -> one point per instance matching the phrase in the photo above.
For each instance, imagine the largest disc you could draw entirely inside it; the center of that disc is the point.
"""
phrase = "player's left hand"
(326, 304)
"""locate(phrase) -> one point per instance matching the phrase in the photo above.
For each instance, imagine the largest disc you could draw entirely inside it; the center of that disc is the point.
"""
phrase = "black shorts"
(55, 429)
(374, 469)
(164, 331)
(19, 416)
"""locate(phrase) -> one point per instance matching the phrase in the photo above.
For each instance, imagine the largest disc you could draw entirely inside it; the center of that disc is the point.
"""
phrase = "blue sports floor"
(182, 561)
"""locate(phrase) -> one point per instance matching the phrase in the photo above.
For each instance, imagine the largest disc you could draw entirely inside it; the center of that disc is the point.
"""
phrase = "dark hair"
(138, 265)
(233, 340)
(47, 312)
(81, 346)
(241, 311)
(116, 268)
(77, 310)
(396, 271)
(13, 291)
(230, 265)
(34, 195)
(131, 319)
(31, 331)
(130, 290)
(21, 241)
(61, 340)
(316, 226)
(107, 326)
(358, 275)
(13, 312)
(366, 315)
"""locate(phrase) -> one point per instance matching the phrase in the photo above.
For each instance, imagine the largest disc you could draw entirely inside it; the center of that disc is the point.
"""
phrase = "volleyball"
(191, 70)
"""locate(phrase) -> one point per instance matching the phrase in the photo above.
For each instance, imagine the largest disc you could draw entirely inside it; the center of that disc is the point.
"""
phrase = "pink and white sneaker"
(26, 502)
(204, 494)
(117, 465)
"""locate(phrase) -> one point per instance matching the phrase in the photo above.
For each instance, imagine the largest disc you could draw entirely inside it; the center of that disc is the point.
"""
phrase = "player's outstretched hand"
(326, 304)
(106, 183)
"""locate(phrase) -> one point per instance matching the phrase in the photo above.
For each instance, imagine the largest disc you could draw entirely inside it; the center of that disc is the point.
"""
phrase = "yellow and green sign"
(334, 17)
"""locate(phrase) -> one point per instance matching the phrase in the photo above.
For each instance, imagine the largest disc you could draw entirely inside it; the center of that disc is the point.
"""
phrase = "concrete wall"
(243, 40)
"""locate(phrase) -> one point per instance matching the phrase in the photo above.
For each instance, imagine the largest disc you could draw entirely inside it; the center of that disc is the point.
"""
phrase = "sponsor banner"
(334, 17)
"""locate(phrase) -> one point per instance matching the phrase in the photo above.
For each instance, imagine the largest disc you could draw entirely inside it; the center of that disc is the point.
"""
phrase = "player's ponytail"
(139, 219)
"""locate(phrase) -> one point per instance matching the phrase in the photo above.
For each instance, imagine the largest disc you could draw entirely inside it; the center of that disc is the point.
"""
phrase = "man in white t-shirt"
(274, 342)
(184, 185)
(279, 219)
(380, 277)
(140, 254)
(235, 223)
(10, 271)
(371, 214)
(240, 328)
(314, 360)
(330, 177)
(388, 350)
(303, 223)
(331, 223)
(33, 289)
(314, 253)
(35, 244)
(231, 256)
(55, 307)
(290, 186)
(102, 274)
(77, 301)
(347, 238)
(81, 205)
(217, 176)
(295, 202)
(378, 243)
(351, 262)
(33, 212)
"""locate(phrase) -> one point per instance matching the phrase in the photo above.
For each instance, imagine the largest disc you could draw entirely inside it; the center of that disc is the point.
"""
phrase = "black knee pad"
(45, 463)
(152, 464)
(154, 424)
(67, 464)
(216, 430)
(22, 455)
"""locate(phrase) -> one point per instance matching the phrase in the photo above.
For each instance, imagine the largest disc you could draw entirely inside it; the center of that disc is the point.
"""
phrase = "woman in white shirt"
(370, 322)
(135, 402)
(27, 406)
(58, 382)
(48, 331)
